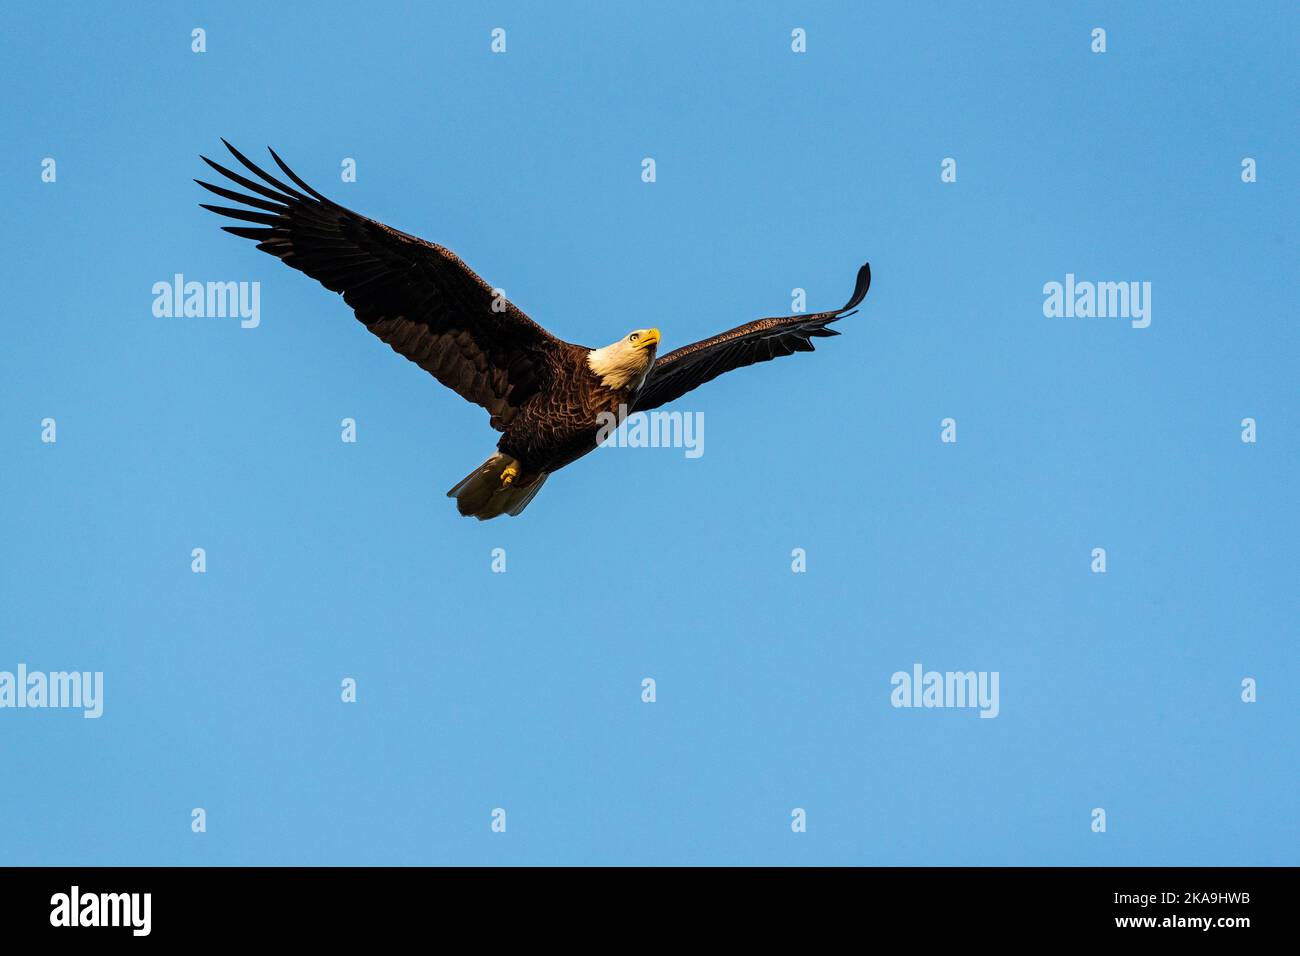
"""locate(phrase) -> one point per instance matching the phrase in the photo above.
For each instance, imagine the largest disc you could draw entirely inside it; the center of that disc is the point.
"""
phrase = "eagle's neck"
(618, 367)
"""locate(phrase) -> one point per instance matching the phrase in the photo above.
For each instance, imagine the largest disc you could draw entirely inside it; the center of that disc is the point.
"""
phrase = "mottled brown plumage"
(542, 393)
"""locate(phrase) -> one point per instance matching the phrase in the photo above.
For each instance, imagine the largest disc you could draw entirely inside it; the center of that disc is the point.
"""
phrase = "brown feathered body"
(561, 423)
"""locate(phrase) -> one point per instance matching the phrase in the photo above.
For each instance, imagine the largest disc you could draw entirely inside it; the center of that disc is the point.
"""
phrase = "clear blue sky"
(523, 690)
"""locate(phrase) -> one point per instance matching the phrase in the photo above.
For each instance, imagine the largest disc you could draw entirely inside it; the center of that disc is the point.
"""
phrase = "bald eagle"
(547, 397)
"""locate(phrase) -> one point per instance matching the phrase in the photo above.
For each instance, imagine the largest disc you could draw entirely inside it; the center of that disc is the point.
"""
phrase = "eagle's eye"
(634, 336)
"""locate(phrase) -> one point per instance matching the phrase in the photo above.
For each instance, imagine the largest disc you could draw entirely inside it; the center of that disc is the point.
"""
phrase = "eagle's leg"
(508, 476)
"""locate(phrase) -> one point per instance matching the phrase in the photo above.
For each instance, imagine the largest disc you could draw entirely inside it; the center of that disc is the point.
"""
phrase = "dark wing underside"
(676, 373)
(415, 295)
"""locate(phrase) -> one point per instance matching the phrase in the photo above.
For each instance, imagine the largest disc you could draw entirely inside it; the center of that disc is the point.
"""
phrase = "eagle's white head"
(623, 364)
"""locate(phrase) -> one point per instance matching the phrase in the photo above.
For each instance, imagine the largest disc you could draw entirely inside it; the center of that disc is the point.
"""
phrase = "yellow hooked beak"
(646, 338)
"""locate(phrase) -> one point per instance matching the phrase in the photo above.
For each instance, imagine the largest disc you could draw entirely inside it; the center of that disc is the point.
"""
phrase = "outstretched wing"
(676, 373)
(415, 295)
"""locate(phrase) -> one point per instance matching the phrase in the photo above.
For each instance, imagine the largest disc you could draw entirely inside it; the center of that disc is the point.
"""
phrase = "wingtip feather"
(262, 174)
(860, 287)
(292, 175)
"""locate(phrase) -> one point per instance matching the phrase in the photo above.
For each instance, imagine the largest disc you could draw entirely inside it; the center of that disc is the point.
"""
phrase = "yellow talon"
(508, 476)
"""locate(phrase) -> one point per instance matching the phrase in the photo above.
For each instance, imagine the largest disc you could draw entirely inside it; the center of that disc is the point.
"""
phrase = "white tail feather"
(481, 495)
